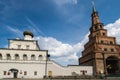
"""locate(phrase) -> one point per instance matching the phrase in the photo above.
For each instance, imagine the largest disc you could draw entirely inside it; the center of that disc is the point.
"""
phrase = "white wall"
(58, 70)
(31, 66)
(23, 43)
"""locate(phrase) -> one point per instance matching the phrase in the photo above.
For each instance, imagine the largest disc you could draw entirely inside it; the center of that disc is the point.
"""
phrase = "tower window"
(101, 26)
(111, 42)
(95, 27)
(112, 50)
(105, 49)
(102, 41)
(103, 34)
(97, 34)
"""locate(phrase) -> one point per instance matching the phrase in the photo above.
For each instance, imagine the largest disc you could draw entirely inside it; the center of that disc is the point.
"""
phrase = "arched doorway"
(112, 64)
(15, 72)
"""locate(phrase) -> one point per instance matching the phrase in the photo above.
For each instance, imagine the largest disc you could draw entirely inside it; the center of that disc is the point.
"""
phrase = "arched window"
(40, 57)
(25, 57)
(8, 57)
(33, 57)
(0, 56)
(17, 57)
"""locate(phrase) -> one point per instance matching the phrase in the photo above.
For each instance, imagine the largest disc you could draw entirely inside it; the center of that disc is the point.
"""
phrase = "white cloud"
(75, 1)
(56, 48)
(64, 2)
(61, 52)
(114, 29)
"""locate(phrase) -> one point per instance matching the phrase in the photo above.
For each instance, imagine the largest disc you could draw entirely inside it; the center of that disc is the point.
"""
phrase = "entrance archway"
(15, 72)
(112, 64)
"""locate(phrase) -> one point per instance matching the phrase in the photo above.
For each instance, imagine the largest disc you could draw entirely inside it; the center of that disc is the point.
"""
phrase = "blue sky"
(60, 26)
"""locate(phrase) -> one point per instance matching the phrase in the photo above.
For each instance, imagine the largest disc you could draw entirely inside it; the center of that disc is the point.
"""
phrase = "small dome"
(27, 32)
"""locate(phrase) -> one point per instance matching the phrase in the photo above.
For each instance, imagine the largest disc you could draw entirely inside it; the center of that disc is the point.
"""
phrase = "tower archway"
(112, 64)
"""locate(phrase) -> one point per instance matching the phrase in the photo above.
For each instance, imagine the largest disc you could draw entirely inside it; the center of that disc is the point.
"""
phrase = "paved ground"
(113, 78)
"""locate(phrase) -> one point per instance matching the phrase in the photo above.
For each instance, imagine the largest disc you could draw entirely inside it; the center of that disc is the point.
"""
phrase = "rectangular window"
(8, 73)
(112, 50)
(102, 41)
(25, 72)
(111, 42)
(104, 34)
(105, 49)
(19, 46)
(4, 72)
(83, 72)
(27, 46)
(35, 73)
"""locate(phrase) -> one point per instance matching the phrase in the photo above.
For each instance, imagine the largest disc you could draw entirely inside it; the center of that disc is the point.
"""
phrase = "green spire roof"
(93, 6)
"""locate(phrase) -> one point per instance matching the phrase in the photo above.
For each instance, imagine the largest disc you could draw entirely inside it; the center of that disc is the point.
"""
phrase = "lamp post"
(104, 63)
(47, 56)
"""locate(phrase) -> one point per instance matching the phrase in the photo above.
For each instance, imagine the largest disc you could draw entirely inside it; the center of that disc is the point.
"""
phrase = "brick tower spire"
(97, 28)
(95, 17)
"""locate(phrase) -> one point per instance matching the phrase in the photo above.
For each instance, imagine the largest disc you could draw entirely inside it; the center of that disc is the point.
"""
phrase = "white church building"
(24, 59)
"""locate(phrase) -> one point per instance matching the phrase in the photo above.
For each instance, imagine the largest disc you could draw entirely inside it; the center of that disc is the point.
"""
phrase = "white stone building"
(24, 59)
